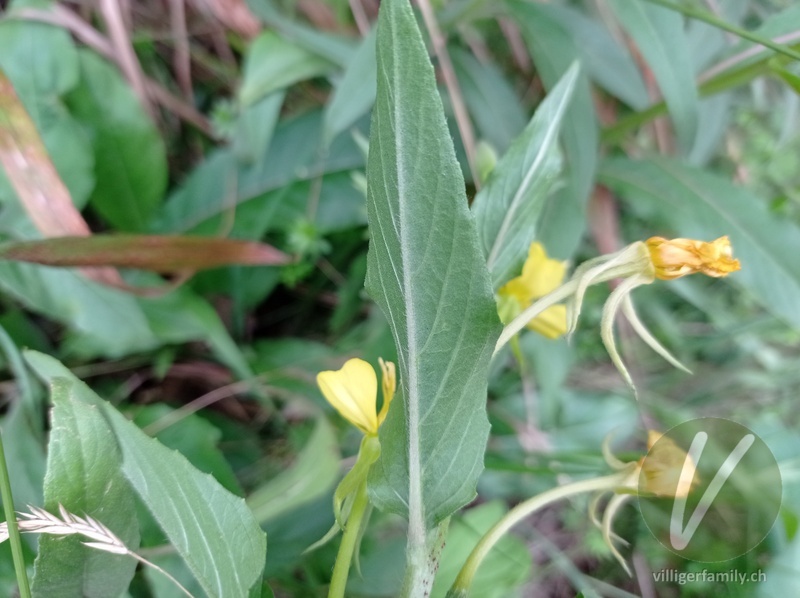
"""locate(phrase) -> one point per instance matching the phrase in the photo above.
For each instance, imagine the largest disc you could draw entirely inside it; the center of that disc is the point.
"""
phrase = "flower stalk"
(463, 581)
(350, 539)
(353, 392)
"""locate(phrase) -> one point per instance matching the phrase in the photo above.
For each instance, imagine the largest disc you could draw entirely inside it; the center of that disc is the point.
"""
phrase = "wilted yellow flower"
(540, 276)
(657, 474)
(353, 392)
(663, 466)
(638, 264)
(673, 258)
(623, 483)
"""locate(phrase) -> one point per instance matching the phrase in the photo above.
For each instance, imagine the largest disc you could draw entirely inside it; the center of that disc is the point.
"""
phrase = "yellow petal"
(353, 392)
(540, 275)
(389, 385)
(551, 323)
(678, 257)
(663, 465)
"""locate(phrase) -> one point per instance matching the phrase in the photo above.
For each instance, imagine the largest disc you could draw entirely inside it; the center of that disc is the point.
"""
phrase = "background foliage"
(249, 121)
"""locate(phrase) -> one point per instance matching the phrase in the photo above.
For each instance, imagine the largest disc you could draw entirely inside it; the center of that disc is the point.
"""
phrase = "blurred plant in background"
(202, 166)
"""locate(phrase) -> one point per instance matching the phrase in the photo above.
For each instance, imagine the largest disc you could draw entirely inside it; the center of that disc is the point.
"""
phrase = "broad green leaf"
(659, 35)
(490, 99)
(84, 473)
(212, 530)
(704, 206)
(193, 436)
(40, 59)
(425, 269)
(507, 209)
(109, 321)
(553, 51)
(273, 63)
(130, 161)
(312, 475)
(42, 63)
(607, 62)
(221, 183)
(354, 94)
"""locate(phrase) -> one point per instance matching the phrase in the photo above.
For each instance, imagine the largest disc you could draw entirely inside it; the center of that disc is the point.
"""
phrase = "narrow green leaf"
(130, 159)
(425, 269)
(490, 99)
(354, 94)
(507, 209)
(705, 206)
(84, 474)
(212, 530)
(553, 50)
(607, 62)
(335, 48)
(659, 34)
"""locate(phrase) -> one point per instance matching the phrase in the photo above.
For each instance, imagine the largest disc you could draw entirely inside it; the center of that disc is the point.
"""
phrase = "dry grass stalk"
(39, 521)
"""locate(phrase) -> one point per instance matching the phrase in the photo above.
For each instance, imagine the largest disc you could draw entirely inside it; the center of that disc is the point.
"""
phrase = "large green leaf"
(84, 475)
(130, 160)
(507, 208)
(658, 33)
(41, 62)
(425, 269)
(109, 321)
(274, 63)
(553, 51)
(212, 530)
(222, 183)
(702, 205)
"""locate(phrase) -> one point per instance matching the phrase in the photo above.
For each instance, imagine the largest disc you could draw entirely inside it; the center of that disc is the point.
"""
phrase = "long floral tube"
(462, 583)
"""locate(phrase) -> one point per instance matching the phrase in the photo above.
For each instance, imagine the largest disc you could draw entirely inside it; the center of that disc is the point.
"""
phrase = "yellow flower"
(663, 466)
(638, 264)
(657, 474)
(679, 257)
(353, 392)
(540, 276)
